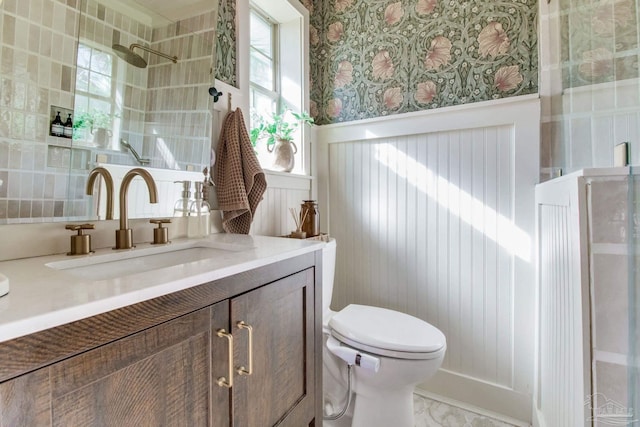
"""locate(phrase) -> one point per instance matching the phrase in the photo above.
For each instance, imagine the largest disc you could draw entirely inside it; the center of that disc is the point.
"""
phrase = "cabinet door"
(26, 400)
(156, 377)
(280, 389)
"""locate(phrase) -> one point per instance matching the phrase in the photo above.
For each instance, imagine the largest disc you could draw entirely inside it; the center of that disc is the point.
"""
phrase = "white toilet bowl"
(407, 350)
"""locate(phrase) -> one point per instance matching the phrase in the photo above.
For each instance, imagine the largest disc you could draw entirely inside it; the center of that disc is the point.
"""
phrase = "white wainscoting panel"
(560, 399)
(284, 191)
(434, 216)
(424, 225)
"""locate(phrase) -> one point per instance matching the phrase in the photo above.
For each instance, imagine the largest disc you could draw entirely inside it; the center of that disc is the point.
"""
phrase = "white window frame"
(274, 93)
(115, 99)
(293, 38)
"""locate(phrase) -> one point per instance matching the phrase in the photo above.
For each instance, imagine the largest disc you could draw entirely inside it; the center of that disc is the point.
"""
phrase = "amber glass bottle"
(311, 223)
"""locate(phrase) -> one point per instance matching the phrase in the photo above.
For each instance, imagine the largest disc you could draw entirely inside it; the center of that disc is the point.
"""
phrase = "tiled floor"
(430, 413)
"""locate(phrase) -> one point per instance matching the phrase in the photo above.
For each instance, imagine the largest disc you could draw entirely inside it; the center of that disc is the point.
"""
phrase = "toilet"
(390, 353)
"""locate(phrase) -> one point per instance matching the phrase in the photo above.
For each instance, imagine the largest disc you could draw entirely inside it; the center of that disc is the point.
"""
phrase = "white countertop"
(42, 297)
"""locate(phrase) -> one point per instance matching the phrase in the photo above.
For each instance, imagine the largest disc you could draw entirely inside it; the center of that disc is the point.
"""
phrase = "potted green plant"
(94, 123)
(279, 130)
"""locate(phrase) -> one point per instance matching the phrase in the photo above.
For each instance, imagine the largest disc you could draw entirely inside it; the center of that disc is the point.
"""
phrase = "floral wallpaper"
(599, 41)
(226, 43)
(372, 58)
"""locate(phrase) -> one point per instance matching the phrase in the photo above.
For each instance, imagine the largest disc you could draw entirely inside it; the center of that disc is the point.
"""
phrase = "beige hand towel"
(239, 179)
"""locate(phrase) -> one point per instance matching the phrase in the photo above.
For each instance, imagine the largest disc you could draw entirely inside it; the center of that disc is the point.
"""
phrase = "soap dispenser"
(182, 205)
(199, 223)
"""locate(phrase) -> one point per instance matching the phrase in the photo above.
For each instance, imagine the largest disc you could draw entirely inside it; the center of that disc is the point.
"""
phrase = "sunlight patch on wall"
(460, 203)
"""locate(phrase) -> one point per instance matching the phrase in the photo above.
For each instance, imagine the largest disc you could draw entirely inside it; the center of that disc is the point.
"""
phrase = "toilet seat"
(387, 333)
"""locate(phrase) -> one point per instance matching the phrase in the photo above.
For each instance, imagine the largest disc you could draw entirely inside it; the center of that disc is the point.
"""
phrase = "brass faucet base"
(124, 239)
(160, 234)
(81, 243)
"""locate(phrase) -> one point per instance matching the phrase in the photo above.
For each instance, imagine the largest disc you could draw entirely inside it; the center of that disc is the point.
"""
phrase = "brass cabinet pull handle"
(222, 381)
(241, 370)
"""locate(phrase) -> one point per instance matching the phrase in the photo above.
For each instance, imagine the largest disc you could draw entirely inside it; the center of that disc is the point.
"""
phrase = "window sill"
(287, 180)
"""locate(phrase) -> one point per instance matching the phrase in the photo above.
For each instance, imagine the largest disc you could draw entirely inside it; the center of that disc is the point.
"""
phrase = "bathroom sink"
(113, 264)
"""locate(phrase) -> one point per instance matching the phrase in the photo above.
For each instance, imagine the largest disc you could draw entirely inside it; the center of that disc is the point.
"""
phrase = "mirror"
(70, 100)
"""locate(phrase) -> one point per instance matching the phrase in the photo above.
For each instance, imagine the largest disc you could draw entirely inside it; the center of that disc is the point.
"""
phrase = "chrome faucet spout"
(108, 182)
(124, 236)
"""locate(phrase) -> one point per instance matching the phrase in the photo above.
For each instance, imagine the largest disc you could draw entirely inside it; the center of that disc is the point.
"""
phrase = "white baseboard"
(538, 419)
(485, 398)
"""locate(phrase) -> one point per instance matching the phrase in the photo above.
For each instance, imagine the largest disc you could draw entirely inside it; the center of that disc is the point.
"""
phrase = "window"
(263, 72)
(95, 86)
(277, 70)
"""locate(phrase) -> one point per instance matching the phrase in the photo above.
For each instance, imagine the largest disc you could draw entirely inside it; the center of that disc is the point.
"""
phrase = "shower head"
(136, 60)
(129, 55)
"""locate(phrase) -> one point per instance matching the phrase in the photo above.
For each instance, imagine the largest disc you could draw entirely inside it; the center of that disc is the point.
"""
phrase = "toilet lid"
(386, 329)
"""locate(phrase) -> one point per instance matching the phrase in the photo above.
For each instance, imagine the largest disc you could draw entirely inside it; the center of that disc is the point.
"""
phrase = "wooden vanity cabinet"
(167, 373)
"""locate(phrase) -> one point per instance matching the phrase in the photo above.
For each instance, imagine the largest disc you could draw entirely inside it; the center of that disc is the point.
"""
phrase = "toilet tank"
(328, 271)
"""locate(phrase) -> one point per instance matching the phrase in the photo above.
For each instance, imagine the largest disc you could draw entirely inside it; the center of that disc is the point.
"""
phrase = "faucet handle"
(160, 234)
(79, 227)
(160, 221)
(80, 243)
